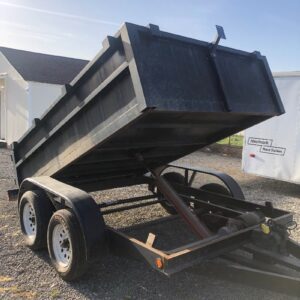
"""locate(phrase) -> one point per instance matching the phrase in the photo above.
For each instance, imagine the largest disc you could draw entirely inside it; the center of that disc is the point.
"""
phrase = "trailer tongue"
(148, 98)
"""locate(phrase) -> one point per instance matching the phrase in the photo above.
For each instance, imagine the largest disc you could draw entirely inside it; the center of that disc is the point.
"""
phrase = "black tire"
(214, 188)
(41, 210)
(77, 263)
(170, 177)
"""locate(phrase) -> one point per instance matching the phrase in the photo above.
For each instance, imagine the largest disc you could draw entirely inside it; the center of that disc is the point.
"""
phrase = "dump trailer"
(148, 98)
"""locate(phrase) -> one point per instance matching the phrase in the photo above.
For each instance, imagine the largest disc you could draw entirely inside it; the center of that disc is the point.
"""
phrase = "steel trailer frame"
(250, 238)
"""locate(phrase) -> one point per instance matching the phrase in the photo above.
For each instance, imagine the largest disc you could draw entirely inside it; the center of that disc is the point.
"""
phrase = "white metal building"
(29, 84)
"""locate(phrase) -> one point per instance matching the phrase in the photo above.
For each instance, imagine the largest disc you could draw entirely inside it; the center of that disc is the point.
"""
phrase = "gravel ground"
(28, 275)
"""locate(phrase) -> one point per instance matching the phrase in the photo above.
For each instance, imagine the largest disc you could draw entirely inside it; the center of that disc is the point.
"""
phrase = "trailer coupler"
(270, 260)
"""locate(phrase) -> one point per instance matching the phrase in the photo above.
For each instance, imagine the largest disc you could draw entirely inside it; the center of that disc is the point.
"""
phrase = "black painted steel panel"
(147, 92)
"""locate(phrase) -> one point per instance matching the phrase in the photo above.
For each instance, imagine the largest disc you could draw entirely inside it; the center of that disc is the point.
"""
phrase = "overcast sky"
(76, 28)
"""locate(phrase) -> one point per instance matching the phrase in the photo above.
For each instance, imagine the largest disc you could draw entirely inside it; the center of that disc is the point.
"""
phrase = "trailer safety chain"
(278, 235)
(288, 228)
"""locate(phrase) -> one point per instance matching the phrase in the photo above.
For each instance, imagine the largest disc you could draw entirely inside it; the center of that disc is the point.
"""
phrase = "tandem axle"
(247, 238)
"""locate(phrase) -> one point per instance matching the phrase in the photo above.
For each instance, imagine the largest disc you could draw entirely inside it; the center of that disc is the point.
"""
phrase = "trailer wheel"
(66, 245)
(214, 188)
(171, 177)
(35, 211)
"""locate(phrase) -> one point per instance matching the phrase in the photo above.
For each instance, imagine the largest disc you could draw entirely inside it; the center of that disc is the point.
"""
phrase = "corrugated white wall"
(22, 101)
(15, 102)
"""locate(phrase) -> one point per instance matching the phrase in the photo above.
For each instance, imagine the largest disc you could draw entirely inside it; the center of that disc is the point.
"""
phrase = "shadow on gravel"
(274, 186)
(119, 278)
(44, 255)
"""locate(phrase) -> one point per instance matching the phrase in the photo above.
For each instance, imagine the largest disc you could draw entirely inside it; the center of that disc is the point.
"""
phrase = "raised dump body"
(148, 93)
(147, 99)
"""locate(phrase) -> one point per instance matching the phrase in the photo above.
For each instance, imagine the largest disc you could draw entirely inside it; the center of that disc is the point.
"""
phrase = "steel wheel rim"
(29, 221)
(62, 247)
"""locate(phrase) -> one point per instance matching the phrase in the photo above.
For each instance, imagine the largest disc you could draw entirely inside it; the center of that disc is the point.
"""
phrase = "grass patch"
(5, 279)
(25, 294)
(234, 140)
(18, 293)
(9, 289)
(55, 294)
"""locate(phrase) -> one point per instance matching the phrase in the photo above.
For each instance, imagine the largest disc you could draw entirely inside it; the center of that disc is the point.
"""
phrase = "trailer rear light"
(159, 263)
(252, 155)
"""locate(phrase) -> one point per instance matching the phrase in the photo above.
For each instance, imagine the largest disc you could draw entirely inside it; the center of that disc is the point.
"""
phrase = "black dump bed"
(147, 92)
